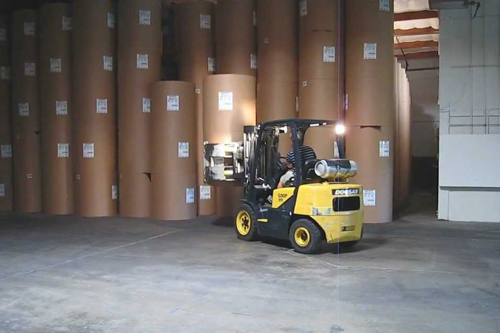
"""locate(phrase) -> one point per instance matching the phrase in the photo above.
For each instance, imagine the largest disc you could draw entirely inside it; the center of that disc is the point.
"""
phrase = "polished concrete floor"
(70, 274)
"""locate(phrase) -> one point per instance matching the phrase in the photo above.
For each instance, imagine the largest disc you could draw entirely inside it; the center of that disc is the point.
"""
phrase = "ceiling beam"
(423, 14)
(418, 55)
(415, 45)
(416, 31)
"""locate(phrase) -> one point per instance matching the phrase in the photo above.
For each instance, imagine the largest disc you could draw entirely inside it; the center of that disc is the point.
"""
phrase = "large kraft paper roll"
(173, 145)
(55, 102)
(319, 56)
(230, 104)
(26, 112)
(236, 45)
(276, 100)
(318, 15)
(370, 53)
(372, 149)
(6, 190)
(139, 61)
(195, 25)
(94, 107)
(318, 99)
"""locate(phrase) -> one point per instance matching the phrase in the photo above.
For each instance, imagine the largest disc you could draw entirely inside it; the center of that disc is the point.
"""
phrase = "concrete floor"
(69, 274)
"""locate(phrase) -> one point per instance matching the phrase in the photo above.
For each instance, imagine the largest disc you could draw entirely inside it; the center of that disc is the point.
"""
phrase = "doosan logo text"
(346, 191)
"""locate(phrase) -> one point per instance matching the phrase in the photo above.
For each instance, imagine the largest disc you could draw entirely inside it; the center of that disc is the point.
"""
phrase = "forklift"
(317, 204)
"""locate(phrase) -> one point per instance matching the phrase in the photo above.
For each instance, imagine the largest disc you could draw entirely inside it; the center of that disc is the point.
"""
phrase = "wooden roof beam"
(418, 55)
(423, 14)
(415, 45)
(416, 31)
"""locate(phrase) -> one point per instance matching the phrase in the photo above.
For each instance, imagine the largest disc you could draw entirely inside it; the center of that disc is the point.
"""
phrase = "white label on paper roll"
(146, 105)
(336, 153)
(384, 148)
(30, 69)
(225, 101)
(303, 8)
(5, 73)
(205, 192)
(3, 35)
(197, 91)
(328, 53)
(211, 65)
(173, 103)
(144, 17)
(111, 20)
(63, 150)
(55, 65)
(370, 51)
(88, 150)
(2, 190)
(205, 21)
(78, 176)
(108, 63)
(370, 198)
(114, 192)
(29, 175)
(254, 18)
(101, 106)
(24, 109)
(67, 23)
(253, 61)
(183, 150)
(190, 195)
(142, 61)
(29, 28)
(6, 151)
(384, 5)
(61, 108)
(304, 83)
(296, 103)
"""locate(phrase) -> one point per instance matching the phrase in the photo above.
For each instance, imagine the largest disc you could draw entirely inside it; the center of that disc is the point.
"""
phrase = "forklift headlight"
(340, 129)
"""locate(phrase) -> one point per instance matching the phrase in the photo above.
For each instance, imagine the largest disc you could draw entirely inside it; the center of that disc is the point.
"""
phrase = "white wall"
(469, 101)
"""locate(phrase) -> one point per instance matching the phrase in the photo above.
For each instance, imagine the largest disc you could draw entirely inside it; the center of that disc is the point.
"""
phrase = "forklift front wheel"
(305, 236)
(246, 223)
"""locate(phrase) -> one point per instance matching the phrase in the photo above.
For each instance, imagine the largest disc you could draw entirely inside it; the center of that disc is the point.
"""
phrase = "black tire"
(350, 245)
(311, 240)
(247, 216)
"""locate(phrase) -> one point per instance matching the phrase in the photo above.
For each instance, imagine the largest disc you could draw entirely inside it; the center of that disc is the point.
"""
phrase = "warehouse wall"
(469, 185)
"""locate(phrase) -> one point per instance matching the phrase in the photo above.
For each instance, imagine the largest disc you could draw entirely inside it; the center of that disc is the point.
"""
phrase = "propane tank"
(336, 169)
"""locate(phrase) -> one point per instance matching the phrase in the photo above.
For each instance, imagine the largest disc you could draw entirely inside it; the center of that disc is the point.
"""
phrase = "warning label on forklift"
(3, 35)
(205, 193)
(63, 150)
(253, 61)
(146, 105)
(369, 198)
(107, 63)
(102, 106)
(111, 20)
(67, 23)
(2, 190)
(24, 109)
(88, 150)
(173, 103)
(30, 69)
(142, 61)
(211, 65)
(370, 51)
(61, 108)
(6, 151)
(225, 101)
(384, 149)
(144, 17)
(5, 73)
(328, 53)
(205, 21)
(190, 195)
(183, 150)
(55, 65)
(114, 192)
(384, 5)
(303, 8)
(29, 28)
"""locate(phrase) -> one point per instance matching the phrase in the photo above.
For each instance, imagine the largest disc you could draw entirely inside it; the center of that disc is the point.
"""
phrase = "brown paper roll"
(26, 112)
(229, 200)
(277, 40)
(236, 37)
(55, 87)
(94, 38)
(369, 82)
(195, 23)
(4, 42)
(315, 60)
(223, 126)
(276, 100)
(318, 15)
(375, 172)
(322, 140)
(318, 99)
(173, 145)
(134, 205)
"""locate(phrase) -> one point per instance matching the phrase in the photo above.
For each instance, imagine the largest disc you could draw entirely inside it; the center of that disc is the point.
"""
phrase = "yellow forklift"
(318, 203)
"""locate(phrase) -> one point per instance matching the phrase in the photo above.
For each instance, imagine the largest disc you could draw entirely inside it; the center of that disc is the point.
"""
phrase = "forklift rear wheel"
(246, 223)
(305, 236)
